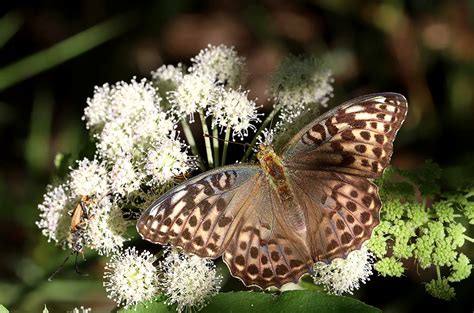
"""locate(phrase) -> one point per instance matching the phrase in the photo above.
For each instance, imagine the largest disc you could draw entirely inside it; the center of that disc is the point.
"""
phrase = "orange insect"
(79, 219)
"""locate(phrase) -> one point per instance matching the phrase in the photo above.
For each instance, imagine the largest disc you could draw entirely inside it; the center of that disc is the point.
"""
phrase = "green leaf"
(3, 309)
(290, 301)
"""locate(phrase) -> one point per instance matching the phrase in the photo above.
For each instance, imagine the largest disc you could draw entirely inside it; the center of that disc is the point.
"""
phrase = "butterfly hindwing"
(342, 210)
(265, 252)
(354, 138)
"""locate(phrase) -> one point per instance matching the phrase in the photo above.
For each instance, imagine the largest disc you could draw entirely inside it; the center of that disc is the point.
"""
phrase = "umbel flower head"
(299, 84)
(89, 179)
(195, 92)
(188, 280)
(233, 110)
(221, 64)
(131, 278)
(54, 219)
(344, 275)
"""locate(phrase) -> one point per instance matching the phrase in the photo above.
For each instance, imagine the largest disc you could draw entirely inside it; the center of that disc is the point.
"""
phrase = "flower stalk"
(207, 139)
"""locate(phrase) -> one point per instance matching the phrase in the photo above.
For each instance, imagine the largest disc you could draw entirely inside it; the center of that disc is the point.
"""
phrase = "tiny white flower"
(266, 137)
(106, 227)
(98, 107)
(299, 84)
(168, 77)
(233, 109)
(345, 275)
(166, 160)
(115, 141)
(221, 63)
(81, 310)
(131, 278)
(89, 179)
(195, 92)
(188, 281)
(54, 219)
(124, 178)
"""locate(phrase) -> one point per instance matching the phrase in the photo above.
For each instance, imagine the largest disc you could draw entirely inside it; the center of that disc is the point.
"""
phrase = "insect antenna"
(277, 100)
(245, 144)
(50, 278)
(76, 266)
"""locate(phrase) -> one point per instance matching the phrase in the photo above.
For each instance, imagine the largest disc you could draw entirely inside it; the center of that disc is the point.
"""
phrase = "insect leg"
(77, 267)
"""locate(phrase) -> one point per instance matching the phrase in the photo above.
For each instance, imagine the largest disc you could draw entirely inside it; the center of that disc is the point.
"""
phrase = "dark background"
(422, 49)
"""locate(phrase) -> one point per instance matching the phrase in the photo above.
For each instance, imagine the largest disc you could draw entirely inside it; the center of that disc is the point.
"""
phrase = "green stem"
(207, 140)
(215, 144)
(63, 51)
(470, 194)
(262, 127)
(10, 23)
(438, 272)
(192, 143)
(469, 238)
(226, 144)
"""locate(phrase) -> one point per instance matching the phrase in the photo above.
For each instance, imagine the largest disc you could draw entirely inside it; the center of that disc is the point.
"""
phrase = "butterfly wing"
(232, 211)
(264, 252)
(354, 138)
(342, 210)
(330, 163)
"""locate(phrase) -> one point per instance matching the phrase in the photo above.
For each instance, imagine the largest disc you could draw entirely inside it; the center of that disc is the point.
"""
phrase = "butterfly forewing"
(354, 138)
(198, 215)
(329, 163)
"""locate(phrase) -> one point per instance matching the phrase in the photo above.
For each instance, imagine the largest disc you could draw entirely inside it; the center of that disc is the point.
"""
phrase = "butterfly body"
(313, 201)
(272, 165)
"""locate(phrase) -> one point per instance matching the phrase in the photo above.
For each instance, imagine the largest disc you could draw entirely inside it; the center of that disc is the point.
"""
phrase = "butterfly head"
(264, 152)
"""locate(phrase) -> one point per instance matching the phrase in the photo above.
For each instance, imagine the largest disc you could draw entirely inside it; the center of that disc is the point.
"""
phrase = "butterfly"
(314, 201)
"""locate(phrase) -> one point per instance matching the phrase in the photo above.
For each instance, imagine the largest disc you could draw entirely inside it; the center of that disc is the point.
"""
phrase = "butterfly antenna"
(277, 100)
(50, 278)
(245, 144)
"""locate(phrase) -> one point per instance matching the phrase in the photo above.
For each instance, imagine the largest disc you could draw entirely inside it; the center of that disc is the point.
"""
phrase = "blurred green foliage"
(51, 56)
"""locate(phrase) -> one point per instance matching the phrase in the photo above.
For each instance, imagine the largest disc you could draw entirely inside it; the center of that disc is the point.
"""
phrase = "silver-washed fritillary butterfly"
(313, 201)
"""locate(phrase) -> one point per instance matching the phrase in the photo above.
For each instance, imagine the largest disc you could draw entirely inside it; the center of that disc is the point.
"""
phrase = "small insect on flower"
(79, 219)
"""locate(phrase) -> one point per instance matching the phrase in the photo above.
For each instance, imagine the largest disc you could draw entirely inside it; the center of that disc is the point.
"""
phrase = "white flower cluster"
(345, 275)
(221, 64)
(233, 109)
(54, 219)
(300, 84)
(211, 87)
(188, 280)
(129, 125)
(131, 278)
(137, 148)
